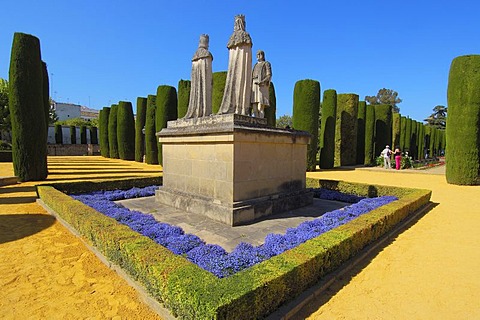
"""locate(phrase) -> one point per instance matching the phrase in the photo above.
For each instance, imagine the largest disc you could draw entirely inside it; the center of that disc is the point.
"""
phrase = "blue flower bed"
(214, 258)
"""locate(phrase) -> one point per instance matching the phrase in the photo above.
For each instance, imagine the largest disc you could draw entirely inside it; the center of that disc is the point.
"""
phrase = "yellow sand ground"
(430, 271)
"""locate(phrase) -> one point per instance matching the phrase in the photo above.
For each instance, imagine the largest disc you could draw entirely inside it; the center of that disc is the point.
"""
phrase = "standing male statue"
(200, 103)
(236, 97)
(262, 74)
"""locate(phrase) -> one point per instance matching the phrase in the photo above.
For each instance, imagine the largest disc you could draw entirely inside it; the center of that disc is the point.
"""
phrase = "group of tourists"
(387, 154)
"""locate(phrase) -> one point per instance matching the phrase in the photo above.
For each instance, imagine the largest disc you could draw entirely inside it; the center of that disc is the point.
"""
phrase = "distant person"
(398, 157)
(386, 153)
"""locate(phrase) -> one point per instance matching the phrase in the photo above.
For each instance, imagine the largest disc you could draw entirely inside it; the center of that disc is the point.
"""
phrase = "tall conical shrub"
(103, 126)
(306, 105)
(396, 129)
(219, 79)
(183, 97)
(271, 110)
(362, 105)
(125, 131)
(93, 135)
(421, 141)
(166, 111)
(463, 122)
(26, 104)
(46, 96)
(151, 146)
(413, 140)
(112, 132)
(58, 134)
(83, 134)
(73, 134)
(403, 131)
(327, 130)
(139, 129)
(408, 134)
(383, 127)
(346, 129)
(369, 134)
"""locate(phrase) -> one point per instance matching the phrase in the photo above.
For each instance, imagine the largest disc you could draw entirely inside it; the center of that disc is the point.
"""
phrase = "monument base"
(236, 213)
(233, 168)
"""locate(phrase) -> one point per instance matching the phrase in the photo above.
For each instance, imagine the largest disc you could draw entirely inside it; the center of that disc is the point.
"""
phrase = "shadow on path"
(312, 299)
(17, 226)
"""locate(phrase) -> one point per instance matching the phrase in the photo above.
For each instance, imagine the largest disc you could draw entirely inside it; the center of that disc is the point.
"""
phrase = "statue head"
(240, 23)
(260, 55)
(204, 40)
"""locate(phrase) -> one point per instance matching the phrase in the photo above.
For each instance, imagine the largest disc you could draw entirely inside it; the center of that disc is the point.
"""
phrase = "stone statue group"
(246, 90)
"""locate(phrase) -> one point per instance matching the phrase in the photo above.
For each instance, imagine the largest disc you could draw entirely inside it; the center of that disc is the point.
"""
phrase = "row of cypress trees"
(353, 132)
(73, 134)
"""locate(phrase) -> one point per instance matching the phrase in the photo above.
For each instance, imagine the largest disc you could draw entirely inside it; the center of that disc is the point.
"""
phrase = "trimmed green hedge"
(166, 110)
(58, 134)
(139, 127)
(219, 81)
(383, 127)
(346, 130)
(327, 130)
(463, 122)
(369, 135)
(403, 131)
(46, 97)
(26, 105)
(73, 134)
(362, 105)
(93, 135)
(408, 134)
(183, 97)
(103, 126)
(396, 127)
(151, 146)
(125, 131)
(271, 110)
(306, 105)
(112, 132)
(83, 134)
(190, 292)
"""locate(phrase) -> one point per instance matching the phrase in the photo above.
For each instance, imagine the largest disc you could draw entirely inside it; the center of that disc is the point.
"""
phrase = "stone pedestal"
(233, 168)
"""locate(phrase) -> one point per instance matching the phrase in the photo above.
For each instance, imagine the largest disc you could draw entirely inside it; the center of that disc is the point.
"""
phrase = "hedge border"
(192, 293)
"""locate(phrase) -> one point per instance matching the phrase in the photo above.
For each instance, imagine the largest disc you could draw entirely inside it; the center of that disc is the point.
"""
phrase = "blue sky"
(101, 52)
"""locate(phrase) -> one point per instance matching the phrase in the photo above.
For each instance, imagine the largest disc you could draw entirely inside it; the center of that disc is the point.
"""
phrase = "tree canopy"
(284, 121)
(4, 111)
(438, 119)
(385, 96)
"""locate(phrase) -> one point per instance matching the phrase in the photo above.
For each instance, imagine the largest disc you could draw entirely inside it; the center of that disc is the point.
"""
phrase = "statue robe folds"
(200, 103)
(236, 97)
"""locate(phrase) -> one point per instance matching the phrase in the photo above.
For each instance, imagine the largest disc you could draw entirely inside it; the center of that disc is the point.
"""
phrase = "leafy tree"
(438, 119)
(52, 115)
(78, 122)
(385, 96)
(5, 123)
(284, 121)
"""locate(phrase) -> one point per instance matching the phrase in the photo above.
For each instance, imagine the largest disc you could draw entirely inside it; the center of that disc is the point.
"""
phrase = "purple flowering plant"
(212, 257)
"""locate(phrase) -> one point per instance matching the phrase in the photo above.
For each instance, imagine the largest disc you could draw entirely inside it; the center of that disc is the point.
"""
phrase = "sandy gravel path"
(45, 271)
(430, 271)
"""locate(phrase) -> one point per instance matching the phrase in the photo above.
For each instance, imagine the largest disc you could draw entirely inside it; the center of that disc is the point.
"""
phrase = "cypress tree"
(427, 140)
(219, 79)
(271, 110)
(151, 148)
(166, 110)
(346, 129)
(361, 132)
(408, 134)
(433, 151)
(306, 104)
(73, 135)
(58, 134)
(183, 97)
(139, 129)
(26, 104)
(369, 134)
(462, 154)
(103, 126)
(83, 134)
(327, 129)
(125, 131)
(403, 130)
(112, 132)
(421, 141)
(46, 96)
(396, 123)
(93, 135)
(413, 140)
(383, 127)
